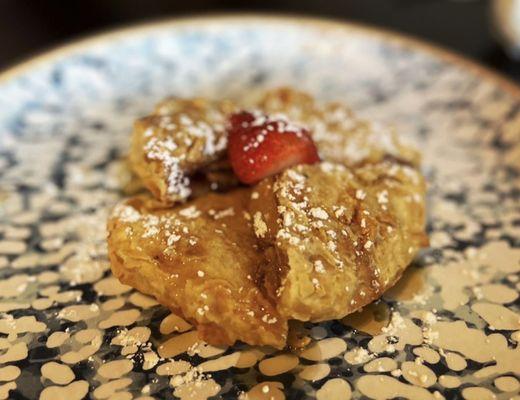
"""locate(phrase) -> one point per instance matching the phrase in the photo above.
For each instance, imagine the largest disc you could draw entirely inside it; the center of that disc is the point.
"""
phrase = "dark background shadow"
(31, 26)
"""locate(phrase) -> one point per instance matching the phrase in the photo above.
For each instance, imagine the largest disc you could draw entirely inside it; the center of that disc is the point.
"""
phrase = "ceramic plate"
(69, 330)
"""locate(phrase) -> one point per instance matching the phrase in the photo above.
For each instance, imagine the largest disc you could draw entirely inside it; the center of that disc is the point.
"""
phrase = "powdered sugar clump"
(160, 150)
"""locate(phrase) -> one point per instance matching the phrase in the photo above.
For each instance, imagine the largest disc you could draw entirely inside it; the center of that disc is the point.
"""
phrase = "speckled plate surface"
(68, 329)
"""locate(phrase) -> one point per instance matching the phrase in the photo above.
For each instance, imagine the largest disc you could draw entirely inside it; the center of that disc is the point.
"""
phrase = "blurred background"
(466, 26)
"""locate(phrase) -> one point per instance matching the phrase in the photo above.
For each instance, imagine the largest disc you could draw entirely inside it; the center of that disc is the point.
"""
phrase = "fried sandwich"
(330, 212)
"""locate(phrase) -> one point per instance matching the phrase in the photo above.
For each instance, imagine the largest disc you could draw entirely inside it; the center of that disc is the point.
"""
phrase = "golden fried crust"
(178, 139)
(198, 260)
(185, 136)
(340, 136)
(335, 238)
(312, 243)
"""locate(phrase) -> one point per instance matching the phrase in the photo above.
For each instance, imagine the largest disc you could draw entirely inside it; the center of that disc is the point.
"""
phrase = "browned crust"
(172, 276)
(369, 280)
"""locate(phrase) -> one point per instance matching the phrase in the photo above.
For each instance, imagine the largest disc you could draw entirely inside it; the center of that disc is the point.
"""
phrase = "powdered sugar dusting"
(178, 184)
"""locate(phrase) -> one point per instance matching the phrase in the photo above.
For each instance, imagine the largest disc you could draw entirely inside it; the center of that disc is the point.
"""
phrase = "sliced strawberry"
(261, 145)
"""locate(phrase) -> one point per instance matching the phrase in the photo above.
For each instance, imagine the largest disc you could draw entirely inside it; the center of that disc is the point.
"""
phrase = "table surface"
(29, 27)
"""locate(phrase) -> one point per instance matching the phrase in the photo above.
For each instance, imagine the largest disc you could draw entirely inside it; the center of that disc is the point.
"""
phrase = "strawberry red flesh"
(262, 145)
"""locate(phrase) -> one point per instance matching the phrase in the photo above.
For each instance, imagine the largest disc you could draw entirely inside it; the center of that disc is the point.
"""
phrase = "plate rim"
(75, 45)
